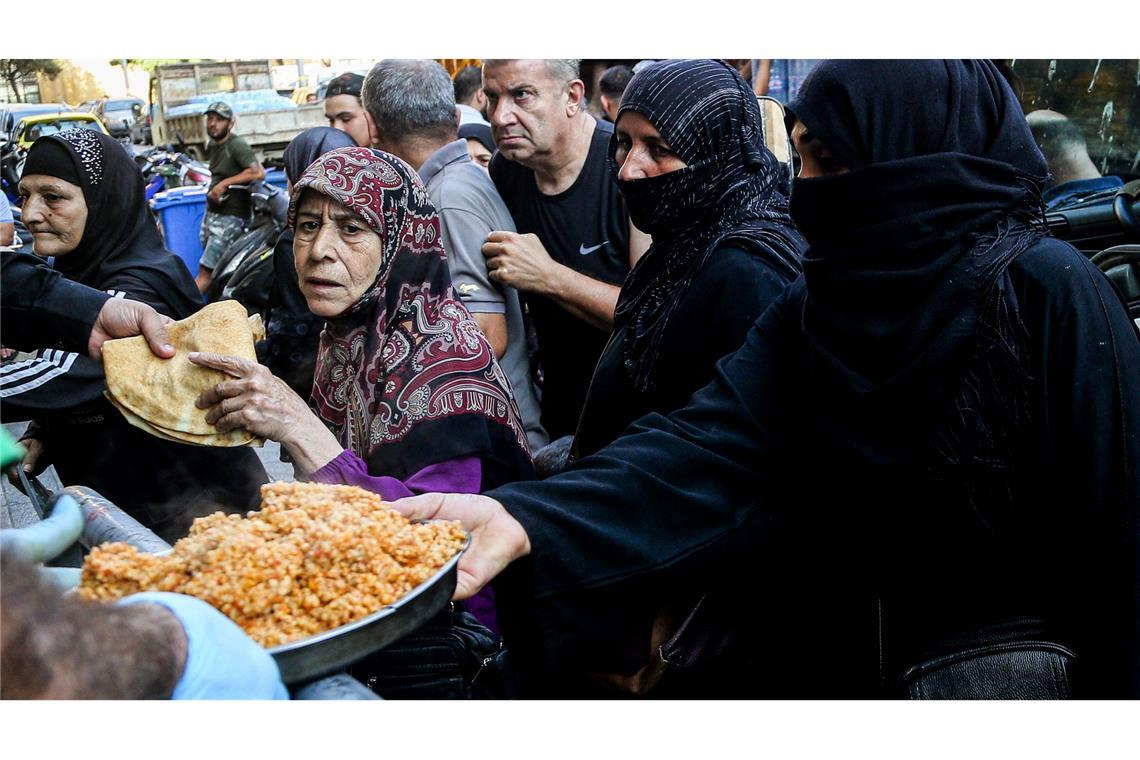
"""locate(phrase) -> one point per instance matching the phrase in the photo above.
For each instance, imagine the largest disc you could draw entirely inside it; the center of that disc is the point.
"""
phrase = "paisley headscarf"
(404, 377)
(121, 237)
(291, 330)
(726, 194)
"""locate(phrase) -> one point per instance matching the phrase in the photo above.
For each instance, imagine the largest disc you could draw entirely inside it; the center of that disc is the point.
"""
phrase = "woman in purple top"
(408, 397)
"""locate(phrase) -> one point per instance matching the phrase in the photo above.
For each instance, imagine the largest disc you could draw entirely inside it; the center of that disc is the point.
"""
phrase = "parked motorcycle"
(245, 270)
(11, 166)
(163, 168)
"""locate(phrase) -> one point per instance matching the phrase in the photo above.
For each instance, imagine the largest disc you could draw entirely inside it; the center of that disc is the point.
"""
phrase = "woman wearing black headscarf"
(292, 332)
(691, 165)
(84, 202)
(935, 429)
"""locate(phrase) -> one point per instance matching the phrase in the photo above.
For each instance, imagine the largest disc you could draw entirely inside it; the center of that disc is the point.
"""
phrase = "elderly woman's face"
(336, 252)
(55, 212)
(641, 150)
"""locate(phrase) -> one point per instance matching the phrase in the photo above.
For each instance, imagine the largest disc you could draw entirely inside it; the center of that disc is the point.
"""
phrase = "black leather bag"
(452, 656)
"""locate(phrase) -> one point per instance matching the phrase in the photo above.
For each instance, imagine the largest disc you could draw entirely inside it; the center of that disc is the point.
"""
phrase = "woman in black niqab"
(935, 431)
(723, 244)
(909, 250)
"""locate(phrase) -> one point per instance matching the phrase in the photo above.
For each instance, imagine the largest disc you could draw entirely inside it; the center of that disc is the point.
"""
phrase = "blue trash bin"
(181, 210)
(276, 177)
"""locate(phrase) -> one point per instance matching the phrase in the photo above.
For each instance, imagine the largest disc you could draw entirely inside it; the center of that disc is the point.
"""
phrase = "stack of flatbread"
(158, 395)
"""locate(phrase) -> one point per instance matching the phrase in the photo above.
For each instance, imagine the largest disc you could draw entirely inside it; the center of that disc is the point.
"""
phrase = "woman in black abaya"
(936, 429)
(692, 168)
(84, 202)
(691, 165)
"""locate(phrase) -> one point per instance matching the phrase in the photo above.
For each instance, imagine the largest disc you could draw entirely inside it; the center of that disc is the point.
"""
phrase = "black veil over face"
(909, 306)
(120, 235)
(728, 193)
(943, 193)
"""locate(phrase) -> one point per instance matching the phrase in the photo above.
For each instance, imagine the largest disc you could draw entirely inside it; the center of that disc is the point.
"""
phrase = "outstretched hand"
(254, 399)
(123, 318)
(497, 539)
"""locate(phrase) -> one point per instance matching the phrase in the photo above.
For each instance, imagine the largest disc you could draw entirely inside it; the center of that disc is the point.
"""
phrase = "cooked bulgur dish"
(313, 558)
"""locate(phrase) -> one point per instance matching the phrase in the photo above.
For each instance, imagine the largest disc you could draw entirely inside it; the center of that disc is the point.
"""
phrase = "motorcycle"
(245, 270)
(1105, 226)
(164, 168)
(11, 167)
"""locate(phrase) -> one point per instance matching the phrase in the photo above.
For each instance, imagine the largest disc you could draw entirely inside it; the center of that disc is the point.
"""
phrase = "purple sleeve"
(460, 475)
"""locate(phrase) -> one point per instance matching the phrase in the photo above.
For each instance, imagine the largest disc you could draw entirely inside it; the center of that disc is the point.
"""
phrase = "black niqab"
(120, 234)
(905, 273)
(727, 192)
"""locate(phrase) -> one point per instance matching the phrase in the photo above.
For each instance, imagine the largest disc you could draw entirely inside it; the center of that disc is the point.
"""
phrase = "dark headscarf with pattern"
(120, 236)
(906, 274)
(726, 194)
(404, 377)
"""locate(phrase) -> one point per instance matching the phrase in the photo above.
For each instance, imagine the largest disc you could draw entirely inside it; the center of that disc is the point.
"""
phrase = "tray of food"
(321, 576)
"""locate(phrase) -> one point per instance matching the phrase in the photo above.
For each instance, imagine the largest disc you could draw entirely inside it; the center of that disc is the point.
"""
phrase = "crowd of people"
(878, 437)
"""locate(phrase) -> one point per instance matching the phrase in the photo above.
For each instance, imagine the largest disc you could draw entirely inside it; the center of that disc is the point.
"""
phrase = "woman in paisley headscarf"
(934, 430)
(292, 332)
(85, 204)
(407, 396)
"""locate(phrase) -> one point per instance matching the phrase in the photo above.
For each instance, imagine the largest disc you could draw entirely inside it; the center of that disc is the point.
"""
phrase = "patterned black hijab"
(120, 236)
(727, 193)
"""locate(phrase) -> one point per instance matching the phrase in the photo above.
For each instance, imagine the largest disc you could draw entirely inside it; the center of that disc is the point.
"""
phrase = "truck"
(180, 92)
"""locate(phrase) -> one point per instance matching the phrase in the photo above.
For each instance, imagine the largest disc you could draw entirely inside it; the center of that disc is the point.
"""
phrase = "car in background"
(31, 128)
(12, 113)
(120, 114)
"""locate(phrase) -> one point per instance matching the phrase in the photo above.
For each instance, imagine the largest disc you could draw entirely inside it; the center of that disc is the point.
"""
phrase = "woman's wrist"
(312, 446)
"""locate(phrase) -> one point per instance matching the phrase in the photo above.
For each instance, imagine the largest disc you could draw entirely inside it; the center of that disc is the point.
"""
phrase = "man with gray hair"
(410, 108)
(574, 244)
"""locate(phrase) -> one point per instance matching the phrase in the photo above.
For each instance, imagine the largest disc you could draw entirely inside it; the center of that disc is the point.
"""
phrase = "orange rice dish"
(314, 557)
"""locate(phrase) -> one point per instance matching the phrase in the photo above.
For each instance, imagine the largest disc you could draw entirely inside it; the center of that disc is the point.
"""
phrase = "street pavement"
(18, 510)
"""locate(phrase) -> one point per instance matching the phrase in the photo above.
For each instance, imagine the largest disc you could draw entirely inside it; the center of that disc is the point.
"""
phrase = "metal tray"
(308, 659)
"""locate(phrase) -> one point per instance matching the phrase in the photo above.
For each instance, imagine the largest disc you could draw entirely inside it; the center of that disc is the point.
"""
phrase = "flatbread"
(237, 437)
(161, 392)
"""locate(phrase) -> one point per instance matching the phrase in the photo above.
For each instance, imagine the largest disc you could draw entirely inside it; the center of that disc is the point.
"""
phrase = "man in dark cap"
(232, 162)
(344, 110)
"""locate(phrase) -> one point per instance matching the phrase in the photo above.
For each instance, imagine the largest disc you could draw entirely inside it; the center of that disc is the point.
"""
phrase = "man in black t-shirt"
(574, 244)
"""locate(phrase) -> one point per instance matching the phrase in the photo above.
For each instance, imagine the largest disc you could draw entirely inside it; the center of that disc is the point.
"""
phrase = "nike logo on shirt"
(582, 249)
